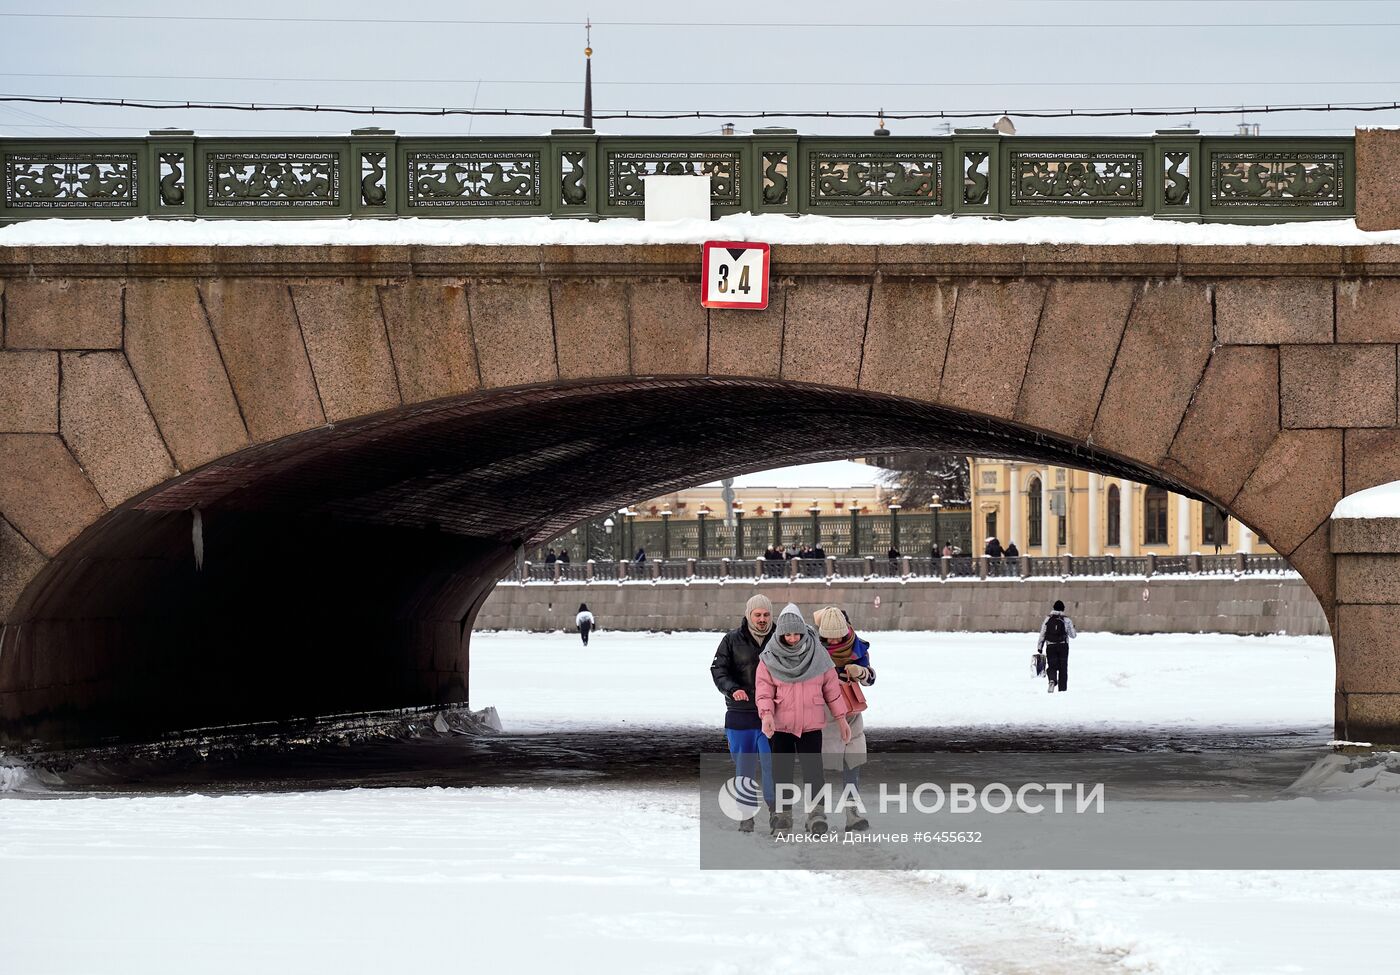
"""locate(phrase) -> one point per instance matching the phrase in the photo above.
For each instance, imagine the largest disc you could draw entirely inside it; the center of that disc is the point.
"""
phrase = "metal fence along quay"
(1175, 174)
(904, 568)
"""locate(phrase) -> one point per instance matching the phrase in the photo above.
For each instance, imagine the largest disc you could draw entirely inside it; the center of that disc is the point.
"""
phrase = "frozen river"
(569, 840)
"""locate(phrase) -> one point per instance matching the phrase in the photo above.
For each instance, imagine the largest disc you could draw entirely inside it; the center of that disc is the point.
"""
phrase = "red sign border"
(707, 248)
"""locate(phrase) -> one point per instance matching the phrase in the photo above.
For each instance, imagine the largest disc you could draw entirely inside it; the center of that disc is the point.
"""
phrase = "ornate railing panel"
(1272, 179)
(627, 169)
(371, 173)
(1220, 564)
(272, 179)
(1078, 179)
(59, 181)
(468, 177)
(1171, 565)
(874, 179)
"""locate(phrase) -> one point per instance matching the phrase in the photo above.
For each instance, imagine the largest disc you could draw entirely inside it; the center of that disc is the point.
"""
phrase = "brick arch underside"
(341, 568)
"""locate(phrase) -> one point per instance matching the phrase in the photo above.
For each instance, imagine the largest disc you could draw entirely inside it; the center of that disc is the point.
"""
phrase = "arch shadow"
(340, 570)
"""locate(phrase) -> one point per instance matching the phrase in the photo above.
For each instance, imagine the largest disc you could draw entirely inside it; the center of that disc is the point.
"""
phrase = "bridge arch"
(268, 485)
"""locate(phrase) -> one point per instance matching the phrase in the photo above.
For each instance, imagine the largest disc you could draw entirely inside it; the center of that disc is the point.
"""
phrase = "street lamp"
(666, 533)
(629, 530)
(702, 515)
(894, 507)
(934, 506)
(608, 525)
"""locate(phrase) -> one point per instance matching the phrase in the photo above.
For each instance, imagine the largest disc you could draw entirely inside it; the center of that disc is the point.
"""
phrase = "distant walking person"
(1055, 634)
(584, 621)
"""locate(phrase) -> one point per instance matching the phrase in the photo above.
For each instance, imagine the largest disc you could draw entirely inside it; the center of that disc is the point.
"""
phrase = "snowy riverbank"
(575, 875)
(551, 682)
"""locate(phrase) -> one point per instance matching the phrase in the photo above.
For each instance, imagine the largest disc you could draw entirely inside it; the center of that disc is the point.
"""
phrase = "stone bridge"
(245, 485)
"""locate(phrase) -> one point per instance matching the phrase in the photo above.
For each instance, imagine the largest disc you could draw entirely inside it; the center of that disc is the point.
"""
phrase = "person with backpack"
(1055, 634)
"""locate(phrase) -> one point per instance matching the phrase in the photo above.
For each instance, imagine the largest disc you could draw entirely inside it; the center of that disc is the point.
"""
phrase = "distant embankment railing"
(1174, 174)
(1256, 604)
(834, 568)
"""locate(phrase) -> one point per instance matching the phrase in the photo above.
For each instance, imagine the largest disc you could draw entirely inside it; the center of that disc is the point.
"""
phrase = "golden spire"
(588, 74)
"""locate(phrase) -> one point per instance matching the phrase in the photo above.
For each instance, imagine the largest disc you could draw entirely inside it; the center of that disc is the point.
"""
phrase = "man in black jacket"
(733, 671)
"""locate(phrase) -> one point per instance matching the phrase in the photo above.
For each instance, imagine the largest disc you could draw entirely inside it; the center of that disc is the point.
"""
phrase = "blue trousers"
(752, 751)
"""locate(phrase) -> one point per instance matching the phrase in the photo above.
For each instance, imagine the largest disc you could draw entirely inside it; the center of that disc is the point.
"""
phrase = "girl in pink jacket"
(796, 684)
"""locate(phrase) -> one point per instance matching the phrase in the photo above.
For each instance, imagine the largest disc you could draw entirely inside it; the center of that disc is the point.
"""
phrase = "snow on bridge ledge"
(1381, 501)
(770, 228)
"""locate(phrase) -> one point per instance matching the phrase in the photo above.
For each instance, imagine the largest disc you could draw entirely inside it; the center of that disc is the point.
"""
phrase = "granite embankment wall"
(1255, 605)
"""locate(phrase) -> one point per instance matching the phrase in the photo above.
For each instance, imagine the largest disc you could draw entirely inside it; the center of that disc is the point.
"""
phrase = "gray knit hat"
(790, 620)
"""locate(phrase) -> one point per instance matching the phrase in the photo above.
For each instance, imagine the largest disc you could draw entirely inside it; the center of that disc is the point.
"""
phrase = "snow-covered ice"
(604, 878)
(1117, 682)
(1351, 775)
(770, 228)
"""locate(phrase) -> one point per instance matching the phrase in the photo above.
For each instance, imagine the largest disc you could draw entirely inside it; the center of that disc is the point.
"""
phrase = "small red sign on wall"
(734, 274)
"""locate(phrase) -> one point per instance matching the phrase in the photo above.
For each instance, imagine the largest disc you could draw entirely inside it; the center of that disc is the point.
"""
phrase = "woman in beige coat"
(851, 657)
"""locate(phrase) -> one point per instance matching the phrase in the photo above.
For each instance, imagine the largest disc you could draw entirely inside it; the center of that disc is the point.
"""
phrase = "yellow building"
(1049, 510)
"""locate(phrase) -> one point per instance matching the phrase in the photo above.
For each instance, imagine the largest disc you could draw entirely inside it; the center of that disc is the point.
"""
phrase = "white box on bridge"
(677, 197)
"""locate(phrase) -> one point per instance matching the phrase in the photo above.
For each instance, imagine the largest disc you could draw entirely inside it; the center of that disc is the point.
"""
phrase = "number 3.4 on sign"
(735, 274)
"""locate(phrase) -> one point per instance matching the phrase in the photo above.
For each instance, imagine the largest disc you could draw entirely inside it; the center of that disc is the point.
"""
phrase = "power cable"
(659, 83)
(701, 24)
(658, 115)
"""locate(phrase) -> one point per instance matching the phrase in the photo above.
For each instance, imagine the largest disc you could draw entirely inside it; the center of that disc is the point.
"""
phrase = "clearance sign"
(735, 274)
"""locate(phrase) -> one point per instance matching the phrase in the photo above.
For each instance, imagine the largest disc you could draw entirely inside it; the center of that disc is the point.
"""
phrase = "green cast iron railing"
(1174, 174)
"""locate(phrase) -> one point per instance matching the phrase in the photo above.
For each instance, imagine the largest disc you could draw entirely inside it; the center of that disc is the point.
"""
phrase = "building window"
(1154, 517)
(991, 525)
(1060, 531)
(1114, 515)
(1033, 519)
(1215, 526)
(989, 478)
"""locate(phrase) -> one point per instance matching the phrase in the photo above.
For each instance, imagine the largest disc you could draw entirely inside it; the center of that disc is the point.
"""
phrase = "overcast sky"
(991, 55)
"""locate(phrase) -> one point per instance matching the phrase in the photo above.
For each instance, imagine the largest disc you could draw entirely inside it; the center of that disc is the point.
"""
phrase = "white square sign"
(734, 274)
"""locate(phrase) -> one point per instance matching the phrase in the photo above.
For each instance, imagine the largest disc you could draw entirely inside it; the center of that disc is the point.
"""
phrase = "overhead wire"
(1078, 26)
(660, 114)
(703, 83)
